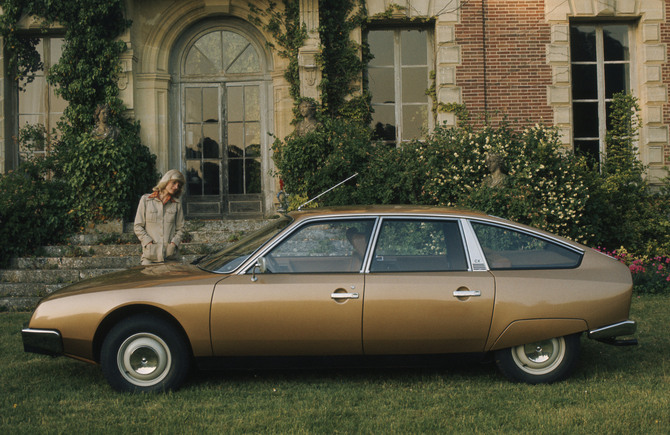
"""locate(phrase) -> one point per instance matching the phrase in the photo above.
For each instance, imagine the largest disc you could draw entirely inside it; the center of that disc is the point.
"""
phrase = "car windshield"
(228, 259)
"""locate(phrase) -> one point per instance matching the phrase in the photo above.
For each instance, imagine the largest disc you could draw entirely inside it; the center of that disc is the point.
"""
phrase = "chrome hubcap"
(541, 357)
(144, 359)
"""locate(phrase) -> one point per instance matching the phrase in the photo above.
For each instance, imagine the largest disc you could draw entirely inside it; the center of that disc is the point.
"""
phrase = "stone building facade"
(209, 91)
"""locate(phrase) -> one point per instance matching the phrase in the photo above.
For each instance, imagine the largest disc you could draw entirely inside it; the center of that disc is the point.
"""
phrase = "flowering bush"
(543, 186)
(651, 275)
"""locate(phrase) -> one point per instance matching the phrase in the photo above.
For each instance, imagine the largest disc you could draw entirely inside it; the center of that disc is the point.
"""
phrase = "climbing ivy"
(289, 35)
(343, 60)
(86, 76)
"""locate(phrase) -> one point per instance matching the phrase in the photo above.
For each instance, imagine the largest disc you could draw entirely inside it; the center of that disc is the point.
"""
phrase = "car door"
(306, 298)
(420, 296)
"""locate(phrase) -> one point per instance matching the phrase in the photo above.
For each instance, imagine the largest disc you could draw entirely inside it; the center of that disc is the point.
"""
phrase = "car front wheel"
(541, 362)
(145, 353)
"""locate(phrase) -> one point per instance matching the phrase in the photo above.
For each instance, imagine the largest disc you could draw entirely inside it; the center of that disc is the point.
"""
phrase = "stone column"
(310, 73)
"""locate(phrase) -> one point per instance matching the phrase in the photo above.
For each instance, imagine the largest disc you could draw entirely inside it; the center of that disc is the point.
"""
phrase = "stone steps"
(95, 253)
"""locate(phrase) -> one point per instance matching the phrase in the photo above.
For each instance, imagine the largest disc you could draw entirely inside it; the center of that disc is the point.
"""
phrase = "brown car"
(364, 282)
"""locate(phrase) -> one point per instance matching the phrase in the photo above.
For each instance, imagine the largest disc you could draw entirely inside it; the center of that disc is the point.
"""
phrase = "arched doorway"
(222, 93)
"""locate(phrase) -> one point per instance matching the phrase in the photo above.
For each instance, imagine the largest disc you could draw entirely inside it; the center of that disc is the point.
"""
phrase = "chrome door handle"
(466, 293)
(344, 295)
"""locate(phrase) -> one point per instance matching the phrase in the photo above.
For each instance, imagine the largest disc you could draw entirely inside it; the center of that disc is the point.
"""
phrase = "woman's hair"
(172, 174)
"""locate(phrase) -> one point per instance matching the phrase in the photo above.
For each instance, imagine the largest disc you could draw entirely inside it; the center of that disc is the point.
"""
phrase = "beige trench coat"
(158, 225)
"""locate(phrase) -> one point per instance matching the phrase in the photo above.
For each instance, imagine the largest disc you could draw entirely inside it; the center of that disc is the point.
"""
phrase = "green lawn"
(614, 390)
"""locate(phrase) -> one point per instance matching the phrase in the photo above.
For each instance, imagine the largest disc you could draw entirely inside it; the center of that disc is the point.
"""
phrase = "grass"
(614, 390)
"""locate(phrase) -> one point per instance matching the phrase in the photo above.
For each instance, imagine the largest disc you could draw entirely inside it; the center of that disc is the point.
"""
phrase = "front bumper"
(608, 334)
(42, 341)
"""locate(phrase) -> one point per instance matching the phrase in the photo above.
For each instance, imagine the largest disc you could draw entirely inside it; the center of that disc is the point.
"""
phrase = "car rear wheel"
(541, 362)
(145, 353)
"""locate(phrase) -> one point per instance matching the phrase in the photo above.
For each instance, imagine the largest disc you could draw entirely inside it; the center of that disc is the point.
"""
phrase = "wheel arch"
(121, 313)
(531, 330)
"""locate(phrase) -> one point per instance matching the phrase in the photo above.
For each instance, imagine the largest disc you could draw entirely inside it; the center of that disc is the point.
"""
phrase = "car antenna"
(326, 191)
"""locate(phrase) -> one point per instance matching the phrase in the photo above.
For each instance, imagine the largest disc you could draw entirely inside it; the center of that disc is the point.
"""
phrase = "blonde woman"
(159, 222)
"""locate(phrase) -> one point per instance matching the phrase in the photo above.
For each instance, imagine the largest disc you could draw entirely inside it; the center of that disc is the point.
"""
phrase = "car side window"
(416, 245)
(329, 246)
(506, 248)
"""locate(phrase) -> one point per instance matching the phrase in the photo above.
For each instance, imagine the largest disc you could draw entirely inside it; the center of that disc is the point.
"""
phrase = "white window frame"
(47, 94)
(600, 68)
(397, 79)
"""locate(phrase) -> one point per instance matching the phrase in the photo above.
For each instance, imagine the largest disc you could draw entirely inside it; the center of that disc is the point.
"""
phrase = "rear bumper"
(608, 334)
(42, 341)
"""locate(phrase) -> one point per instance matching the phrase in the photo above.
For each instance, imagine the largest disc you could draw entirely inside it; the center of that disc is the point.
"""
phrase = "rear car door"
(420, 295)
(306, 299)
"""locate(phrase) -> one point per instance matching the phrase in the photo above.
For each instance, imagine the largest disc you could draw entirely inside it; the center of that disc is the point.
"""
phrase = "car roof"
(395, 210)
(421, 210)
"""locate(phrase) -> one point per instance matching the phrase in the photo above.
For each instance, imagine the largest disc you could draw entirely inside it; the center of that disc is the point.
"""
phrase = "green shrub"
(310, 164)
(34, 212)
(622, 210)
(106, 177)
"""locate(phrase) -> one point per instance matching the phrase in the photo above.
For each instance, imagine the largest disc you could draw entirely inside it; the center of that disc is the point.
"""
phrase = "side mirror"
(261, 266)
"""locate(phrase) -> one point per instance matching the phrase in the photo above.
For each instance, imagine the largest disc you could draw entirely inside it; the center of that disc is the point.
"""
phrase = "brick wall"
(517, 74)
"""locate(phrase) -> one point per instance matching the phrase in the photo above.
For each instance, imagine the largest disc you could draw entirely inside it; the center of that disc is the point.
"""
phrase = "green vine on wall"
(289, 35)
(110, 174)
(87, 73)
(342, 60)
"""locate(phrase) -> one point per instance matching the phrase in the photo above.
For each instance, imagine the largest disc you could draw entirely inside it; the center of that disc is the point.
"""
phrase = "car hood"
(137, 277)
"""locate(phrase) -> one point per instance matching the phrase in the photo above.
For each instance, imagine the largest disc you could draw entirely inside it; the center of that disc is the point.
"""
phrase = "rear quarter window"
(506, 248)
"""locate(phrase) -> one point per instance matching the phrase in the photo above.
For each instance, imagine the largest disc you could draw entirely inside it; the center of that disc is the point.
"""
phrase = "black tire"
(145, 353)
(542, 362)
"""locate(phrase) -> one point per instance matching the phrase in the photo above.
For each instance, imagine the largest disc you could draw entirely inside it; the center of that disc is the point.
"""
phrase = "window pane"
(585, 119)
(414, 121)
(246, 63)
(416, 245)
(252, 133)
(211, 175)
(584, 82)
(194, 178)
(193, 141)
(56, 50)
(382, 85)
(381, 47)
(32, 100)
(193, 108)
(588, 148)
(413, 47)
(210, 142)
(252, 104)
(615, 40)
(617, 78)
(233, 46)
(323, 247)
(210, 104)
(505, 248)
(583, 43)
(252, 174)
(235, 139)
(205, 55)
(383, 122)
(236, 176)
(235, 103)
(414, 84)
